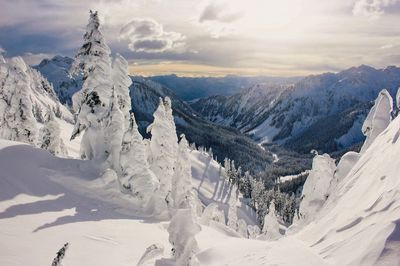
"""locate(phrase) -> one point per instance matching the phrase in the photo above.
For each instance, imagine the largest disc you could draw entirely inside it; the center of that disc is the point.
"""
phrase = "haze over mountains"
(190, 88)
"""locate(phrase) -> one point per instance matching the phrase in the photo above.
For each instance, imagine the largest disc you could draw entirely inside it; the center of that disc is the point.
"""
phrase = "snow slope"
(48, 201)
(359, 224)
(365, 208)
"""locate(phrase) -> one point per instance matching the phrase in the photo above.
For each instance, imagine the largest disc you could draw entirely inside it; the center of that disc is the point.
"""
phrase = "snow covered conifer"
(114, 133)
(378, 118)
(91, 103)
(344, 166)
(254, 231)
(60, 255)
(17, 121)
(137, 178)
(50, 138)
(271, 226)
(317, 187)
(212, 213)
(122, 82)
(163, 147)
(232, 211)
(182, 230)
(398, 99)
(242, 228)
(181, 191)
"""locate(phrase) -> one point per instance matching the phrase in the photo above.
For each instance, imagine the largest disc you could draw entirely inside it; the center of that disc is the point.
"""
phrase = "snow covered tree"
(181, 191)
(17, 121)
(212, 213)
(242, 228)
(50, 138)
(254, 231)
(271, 226)
(317, 187)
(37, 113)
(245, 184)
(289, 208)
(122, 81)
(92, 102)
(397, 104)
(182, 230)
(163, 147)
(378, 118)
(60, 255)
(136, 178)
(344, 166)
(232, 210)
(151, 254)
(114, 128)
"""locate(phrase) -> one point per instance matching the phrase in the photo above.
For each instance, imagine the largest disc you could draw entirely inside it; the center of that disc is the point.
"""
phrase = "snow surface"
(48, 201)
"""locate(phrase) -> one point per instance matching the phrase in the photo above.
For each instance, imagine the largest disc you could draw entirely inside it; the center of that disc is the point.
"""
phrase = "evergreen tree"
(92, 102)
(114, 128)
(17, 121)
(136, 178)
(378, 118)
(163, 147)
(181, 192)
(232, 210)
(397, 101)
(122, 81)
(60, 255)
(182, 230)
(271, 226)
(242, 228)
(50, 138)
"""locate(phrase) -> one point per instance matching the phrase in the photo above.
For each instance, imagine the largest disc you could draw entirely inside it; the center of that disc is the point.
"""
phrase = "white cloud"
(2, 50)
(34, 59)
(387, 46)
(372, 8)
(147, 35)
(219, 12)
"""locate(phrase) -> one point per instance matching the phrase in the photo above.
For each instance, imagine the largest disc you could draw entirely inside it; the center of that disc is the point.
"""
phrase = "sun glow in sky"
(212, 37)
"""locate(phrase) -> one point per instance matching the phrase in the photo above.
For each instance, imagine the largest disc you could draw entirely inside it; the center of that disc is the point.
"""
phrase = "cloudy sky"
(212, 37)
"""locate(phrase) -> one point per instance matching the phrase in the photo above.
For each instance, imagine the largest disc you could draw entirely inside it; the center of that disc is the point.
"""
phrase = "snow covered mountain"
(56, 70)
(342, 99)
(243, 110)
